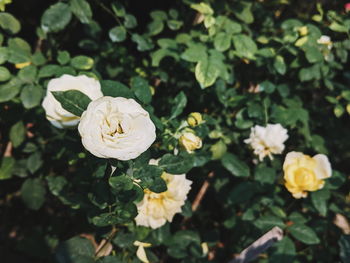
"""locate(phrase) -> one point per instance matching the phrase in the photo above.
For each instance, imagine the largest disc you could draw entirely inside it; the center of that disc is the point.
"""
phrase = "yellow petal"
(141, 254)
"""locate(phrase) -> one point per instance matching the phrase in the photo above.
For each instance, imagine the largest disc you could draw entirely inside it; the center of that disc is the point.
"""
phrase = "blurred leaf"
(176, 164)
(319, 200)
(82, 62)
(265, 175)
(6, 167)
(235, 166)
(130, 21)
(117, 34)
(313, 54)
(285, 251)
(9, 23)
(244, 13)
(17, 134)
(33, 193)
(4, 74)
(9, 90)
(304, 234)
(222, 42)
(141, 89)
(143, 44)
(75, 250)
(194, 53)
(267, 222)
(115, 89)
(56, 17)
(344, 244)
(245, 46)
(82, 9)
(206, 72)
(121, 182)
(31, 96)
(73, 101)
(34, 162)
(180, 102)
(280, 65)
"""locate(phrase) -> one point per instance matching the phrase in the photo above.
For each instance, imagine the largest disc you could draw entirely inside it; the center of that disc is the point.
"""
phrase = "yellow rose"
(190, 141)
(194, 119)
(304, 173)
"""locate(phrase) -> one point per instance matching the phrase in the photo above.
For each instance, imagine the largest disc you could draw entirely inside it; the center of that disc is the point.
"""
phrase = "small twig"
(8, 150)
(106, 241)
(201, 192)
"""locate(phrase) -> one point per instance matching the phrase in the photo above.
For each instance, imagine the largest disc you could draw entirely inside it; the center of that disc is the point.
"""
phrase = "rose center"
(304, 176)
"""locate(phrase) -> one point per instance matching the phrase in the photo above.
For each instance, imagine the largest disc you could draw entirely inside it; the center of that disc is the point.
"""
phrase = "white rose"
(325, 40)
(268, 140)
(116, 128)
(157, 208)
(58, 116)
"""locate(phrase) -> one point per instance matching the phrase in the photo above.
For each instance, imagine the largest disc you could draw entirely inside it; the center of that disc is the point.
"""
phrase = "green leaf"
(241, 193)
(115, 89)
(141, 89)
(9, 90)
(335, 26)
(82, 10)
(130, 21)
(313, 54)
(33, 193)
(320, 200)
(285, 251)
(117, 34)
(17, 134)
(28, 74)
(75, 250)
(267, 222)
(19, 50)
(143, 44)
(31, 96)
(194, 53)
(155, 27)
(245, 46)
(73, 101)
(4, 55)
(176, 164)
(344, 244)
(9, 23)
(6, 167)
(121, 183)
(158, 185)
(56, 184)
(235, 166)
(158, 55)
(4, 74)
(243, 12)
(34, 162)
(48, 71)
(304, 234)
(56, 17)
(222, 42)
(82, 62)
(206, 72)
(280, 65)
(62, 58)
(180, 102)
(265, 175)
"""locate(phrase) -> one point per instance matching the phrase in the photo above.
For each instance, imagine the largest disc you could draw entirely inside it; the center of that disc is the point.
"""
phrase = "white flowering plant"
(175, 131)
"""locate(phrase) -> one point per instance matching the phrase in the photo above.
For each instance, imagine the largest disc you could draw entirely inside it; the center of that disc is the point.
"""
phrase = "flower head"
(325, 40)
(116, 128)
(194, 119)
(157, 208)
(268, 140)
(58, 116)
(347, 7)
(189, 141)
(304, 173)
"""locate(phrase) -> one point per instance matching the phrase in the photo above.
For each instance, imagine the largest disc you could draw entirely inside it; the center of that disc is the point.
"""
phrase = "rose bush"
(231, 97)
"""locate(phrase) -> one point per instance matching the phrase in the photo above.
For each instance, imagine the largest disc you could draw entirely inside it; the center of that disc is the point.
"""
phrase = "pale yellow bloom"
(268, 140)
(157, 208)
(303, 31)
(141, 253)
(303, 173)
(194, 119)
(190, 142)
(325, 40)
